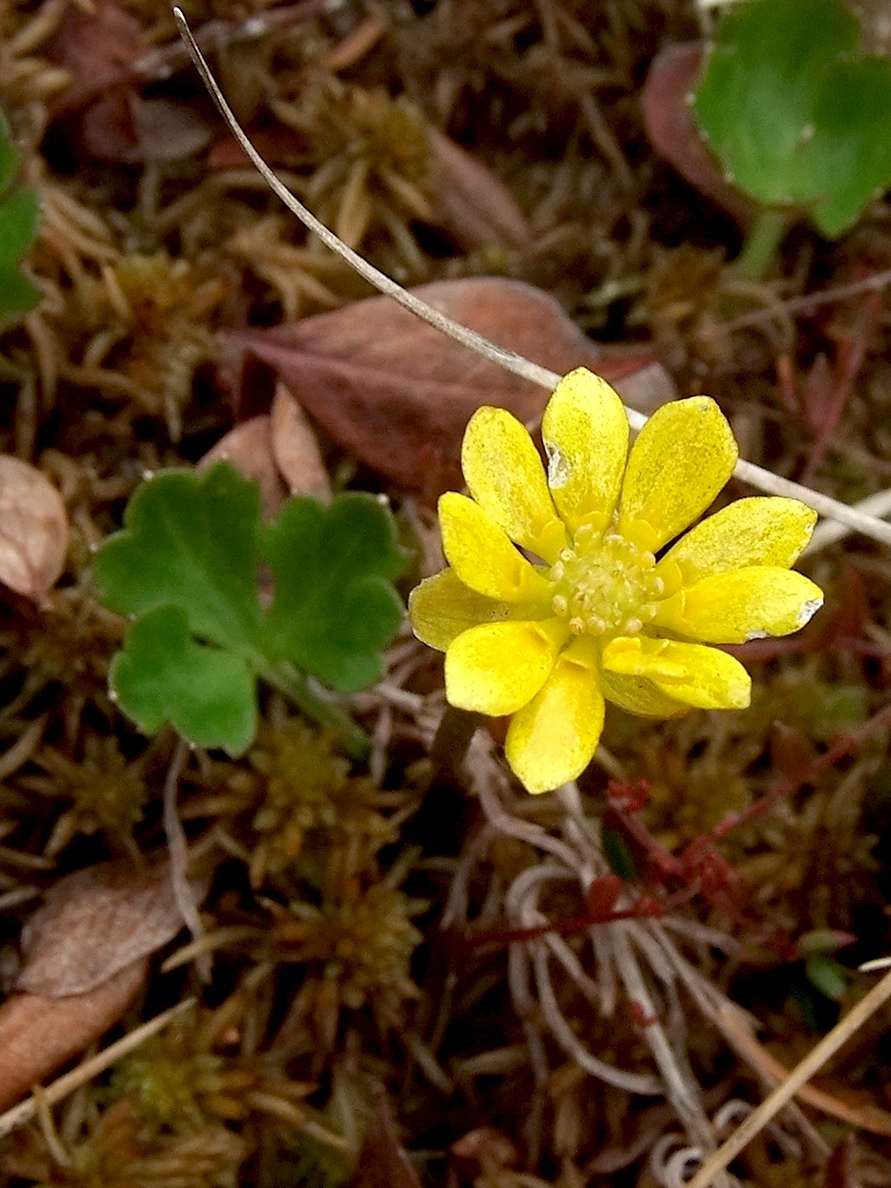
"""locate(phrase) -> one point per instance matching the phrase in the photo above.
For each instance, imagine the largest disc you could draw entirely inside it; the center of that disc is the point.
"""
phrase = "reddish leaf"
(38, 1034)
(398, 394)
(95, 923)
(33, 529)
(470, 203)
(672, 130)
(97, 45)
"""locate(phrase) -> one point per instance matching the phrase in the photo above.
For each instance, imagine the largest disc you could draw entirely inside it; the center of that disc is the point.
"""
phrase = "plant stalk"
(762, 242)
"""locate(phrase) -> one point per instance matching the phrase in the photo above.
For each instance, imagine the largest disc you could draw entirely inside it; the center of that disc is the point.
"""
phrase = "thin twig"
(810, 301)
(59, 1089)
(825, 1049)
(763, 480)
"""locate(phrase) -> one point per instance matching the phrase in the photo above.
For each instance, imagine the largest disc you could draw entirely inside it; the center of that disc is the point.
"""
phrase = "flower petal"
(744, 604)
(441, 607)
(497, 668)
(681, 459)
(585, 431)
(505, 476)
(553, 738)
(483, 557)
(765, 530)
(640, 696)
(696, 675)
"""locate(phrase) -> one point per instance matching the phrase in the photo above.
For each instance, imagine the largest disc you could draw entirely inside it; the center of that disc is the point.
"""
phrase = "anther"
(557, 571)
(577, 626)
(596, 625)
(560, 605)
(632, 626)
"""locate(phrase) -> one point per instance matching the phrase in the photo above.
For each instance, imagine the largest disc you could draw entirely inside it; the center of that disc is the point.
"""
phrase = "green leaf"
(188, 563)
(19, 215)
(163, 675)
(797, 115)
(18, 295)
(335, 610)
(189, 540)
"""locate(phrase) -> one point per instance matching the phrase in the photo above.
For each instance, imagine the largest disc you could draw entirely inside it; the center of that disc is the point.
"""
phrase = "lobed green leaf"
(797, 115)
(187, 565)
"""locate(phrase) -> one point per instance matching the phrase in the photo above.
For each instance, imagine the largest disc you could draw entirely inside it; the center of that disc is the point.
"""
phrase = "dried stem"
(825, 1049)
(19, 1114)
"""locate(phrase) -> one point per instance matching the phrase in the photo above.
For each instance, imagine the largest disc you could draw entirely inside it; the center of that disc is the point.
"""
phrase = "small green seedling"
(188, 567)
(798, 115)
(19, 214)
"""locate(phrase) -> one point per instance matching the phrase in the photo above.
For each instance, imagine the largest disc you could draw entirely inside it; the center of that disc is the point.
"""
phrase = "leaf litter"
(362, 919)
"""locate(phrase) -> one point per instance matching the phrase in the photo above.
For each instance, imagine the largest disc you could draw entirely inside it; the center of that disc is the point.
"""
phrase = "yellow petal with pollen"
(441, 607)
(553, 739)
(741, 605)
(681, 459)
(765, 530)
(482, 556)
(585, 432)
(497, 668)
(505, 476)
(637, 695)
(696, 675)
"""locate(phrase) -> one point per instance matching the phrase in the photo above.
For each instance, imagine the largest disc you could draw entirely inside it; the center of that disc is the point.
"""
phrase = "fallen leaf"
(470, 203)
(672, 130)
(249, 447)
(383, 1162)
(122, 126)
(33, 529)
(296, 448)
(93, 924)
(97, 45)
(397, 394)
(38, 1034)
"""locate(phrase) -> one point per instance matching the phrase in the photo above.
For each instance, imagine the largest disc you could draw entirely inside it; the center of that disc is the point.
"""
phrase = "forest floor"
(382, 953)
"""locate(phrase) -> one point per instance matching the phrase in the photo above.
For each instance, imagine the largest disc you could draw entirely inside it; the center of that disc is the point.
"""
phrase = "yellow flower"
(561, 592)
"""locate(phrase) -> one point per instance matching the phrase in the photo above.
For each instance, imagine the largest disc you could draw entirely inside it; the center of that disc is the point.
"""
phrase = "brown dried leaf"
(672, 130)
(383, 1162)
(38, 1034)
(249, 446)
(470, 203)
(97, 45)
(296, 448)
(122, 126)
(95, 923)
(33, 529)
(398, 394)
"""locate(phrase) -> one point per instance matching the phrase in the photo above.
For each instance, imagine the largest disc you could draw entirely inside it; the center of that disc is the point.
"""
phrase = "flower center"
(605, 584)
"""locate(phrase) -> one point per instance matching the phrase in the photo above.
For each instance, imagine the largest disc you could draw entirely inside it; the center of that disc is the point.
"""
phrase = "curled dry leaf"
(33, 529)
(470, 203)
(279, 450)
(95, 923)
(249, 447)
(397, 394)
(38, 1034)
(296, 448)
(672, 130)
